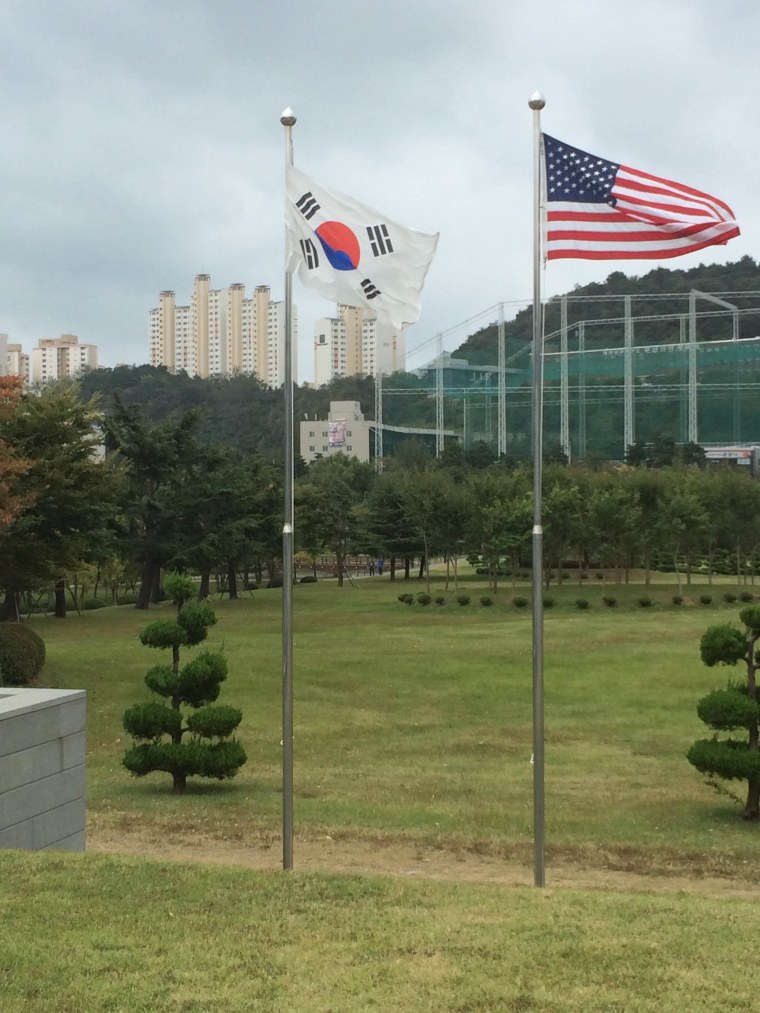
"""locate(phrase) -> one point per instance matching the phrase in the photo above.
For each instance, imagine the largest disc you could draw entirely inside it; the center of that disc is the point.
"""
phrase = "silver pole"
(537, 103)
(288, 120)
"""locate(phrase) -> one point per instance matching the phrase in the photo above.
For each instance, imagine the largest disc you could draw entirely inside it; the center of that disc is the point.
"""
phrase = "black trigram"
(379, 239)
(309, 251)
(370, 291)
(308, 205)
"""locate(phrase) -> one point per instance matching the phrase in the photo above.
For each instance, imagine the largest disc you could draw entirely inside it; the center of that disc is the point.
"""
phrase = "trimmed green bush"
(519, 601)
(424, 598)
(308, 579)
(22, 654)
(746, 596)
(581, 603)
(730, 597)
(439, 599)
(645, 602)
(89, 604)
(609, 601)
(463, 599)
(189, 753)
(486, 600)
(548, 601)
(406, 599)
(677, 599)
(705, 599)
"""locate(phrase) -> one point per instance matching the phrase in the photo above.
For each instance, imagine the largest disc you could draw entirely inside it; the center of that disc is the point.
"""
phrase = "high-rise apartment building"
(55, 358)
(17, 360)
(221, 332)
(354, 343)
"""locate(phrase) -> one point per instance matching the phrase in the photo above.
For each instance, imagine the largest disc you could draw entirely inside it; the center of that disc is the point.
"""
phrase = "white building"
(17, 360)
(354, 343)
(343, 432)
(221, 333)
(56, 358)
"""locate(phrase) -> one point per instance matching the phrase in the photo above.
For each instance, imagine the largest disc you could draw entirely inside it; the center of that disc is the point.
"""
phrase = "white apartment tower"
(17, 359)
(354, 343)
(221, 333)
(55, 358)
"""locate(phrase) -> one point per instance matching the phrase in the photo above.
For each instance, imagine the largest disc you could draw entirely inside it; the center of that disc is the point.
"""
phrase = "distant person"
(372, 568)
(380, 567)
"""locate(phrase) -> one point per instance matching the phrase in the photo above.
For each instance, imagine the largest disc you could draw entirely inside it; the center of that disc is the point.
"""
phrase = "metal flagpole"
(537, 103)
(288, 120)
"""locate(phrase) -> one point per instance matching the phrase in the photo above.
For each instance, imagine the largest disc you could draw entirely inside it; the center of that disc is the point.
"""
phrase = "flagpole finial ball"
(288, 117)
(537, 100)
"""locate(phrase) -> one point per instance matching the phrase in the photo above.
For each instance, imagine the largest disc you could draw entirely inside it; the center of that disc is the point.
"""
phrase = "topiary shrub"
(599, 575)
(196, 684)
(584, 575)
(645, 602)
(406, 599)
(730, 597)
(308, 579)
(581, 603)
(705, 599)
(735, 708)
(275, 582)
(746, 596)
(439, 599)
(609, 601)
(486, 600)
(127, 599)
(677, 599)
(89, 604)
(519, 601)
(548, 601)
(424, 598)
(463, 599)
(22, 654)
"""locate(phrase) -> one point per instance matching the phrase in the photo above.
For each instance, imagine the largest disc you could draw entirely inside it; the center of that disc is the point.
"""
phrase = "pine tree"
(199, 744)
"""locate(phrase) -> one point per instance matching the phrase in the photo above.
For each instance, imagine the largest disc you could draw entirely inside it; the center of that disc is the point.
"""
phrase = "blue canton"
(574, 175)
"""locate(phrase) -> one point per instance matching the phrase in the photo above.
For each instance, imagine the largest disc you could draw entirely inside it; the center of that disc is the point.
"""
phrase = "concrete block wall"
(42, 769)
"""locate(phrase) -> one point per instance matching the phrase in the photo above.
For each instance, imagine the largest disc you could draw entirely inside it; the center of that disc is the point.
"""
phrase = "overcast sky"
(141, 142)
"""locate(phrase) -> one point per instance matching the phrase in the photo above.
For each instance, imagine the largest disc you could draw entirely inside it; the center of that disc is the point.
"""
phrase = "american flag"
(600, 210)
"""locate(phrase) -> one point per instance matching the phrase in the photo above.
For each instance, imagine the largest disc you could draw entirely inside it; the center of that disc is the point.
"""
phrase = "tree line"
(131, 498)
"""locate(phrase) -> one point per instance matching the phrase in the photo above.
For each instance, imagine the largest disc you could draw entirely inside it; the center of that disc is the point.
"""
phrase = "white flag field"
(352, 254)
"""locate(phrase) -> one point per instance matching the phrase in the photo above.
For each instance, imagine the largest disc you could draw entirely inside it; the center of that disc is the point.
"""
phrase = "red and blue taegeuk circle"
(340, 245)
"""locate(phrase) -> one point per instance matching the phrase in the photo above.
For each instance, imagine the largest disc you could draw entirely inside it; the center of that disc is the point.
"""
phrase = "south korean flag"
(354, 255)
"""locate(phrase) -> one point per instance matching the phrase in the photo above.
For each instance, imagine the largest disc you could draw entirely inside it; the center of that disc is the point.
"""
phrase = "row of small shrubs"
(22, 654)
(521, 602)
(425, 599)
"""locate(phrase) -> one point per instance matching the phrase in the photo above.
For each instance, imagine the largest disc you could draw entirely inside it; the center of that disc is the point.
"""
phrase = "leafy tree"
(615, 520)
(563, 519)
(330, 511)
(13, 497)
(66, 491)
(501, 525)
(199, 744)
(389, 531)
(684, 526)
(736, 707)
(158, 462)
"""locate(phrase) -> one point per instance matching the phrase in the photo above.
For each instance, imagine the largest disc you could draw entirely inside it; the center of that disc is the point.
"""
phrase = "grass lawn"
(415, 724)
(413, 727)
(84, 933)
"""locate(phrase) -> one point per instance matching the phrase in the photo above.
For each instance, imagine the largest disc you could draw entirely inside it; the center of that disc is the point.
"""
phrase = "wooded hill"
(741, 276)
